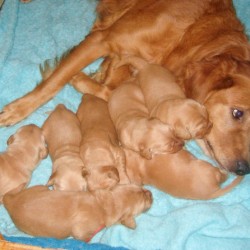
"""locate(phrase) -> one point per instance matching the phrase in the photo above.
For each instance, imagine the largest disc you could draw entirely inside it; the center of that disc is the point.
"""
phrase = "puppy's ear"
(145, 152)
(129, 222)
(85, 172)
(10, 140)
(51, 180)
(43, 150)
(43, 153)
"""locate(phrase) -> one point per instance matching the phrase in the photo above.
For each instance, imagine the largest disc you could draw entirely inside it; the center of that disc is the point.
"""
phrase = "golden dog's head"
(225, 92)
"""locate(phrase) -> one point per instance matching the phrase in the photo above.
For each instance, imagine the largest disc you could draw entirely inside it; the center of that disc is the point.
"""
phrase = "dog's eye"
(237, 114)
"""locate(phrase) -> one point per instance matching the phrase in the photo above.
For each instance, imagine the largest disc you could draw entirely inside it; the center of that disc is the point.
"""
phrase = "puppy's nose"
(147, 193)
(242, 167)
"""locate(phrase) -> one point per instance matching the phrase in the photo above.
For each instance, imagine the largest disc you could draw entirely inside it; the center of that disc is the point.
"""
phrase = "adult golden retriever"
(202, 42)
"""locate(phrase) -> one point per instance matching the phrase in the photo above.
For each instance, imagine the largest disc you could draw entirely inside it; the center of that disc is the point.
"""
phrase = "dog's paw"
(14, 113)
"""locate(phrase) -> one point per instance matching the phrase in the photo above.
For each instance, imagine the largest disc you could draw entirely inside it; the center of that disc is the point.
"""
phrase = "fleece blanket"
(43, 29)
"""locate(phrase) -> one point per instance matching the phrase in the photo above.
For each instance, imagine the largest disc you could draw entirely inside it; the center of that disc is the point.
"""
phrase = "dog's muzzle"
(242, 167)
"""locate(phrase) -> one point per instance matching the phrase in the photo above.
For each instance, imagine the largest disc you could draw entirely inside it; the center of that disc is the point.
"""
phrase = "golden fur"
(63, 137)
(135, 129)
(166, 101)
(26, 148)
(39, 211)
(100, 151)
(180, 175)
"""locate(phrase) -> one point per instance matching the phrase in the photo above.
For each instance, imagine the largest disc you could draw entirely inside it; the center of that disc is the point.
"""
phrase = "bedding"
(44, 29)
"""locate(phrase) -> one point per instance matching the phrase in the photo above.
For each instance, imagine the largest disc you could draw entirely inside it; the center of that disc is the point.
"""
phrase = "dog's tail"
(226, 189)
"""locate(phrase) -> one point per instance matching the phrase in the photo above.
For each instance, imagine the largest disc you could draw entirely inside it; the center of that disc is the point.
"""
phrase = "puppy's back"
(61, 127)
(61, 119)
(94, 116)
(39, 211)
(13, 199)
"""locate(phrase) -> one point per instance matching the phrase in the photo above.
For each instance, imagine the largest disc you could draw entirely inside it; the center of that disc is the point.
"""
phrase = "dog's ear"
(128, 221)
(224, 83)
(211, 73)
(145, 152)
(10, 140)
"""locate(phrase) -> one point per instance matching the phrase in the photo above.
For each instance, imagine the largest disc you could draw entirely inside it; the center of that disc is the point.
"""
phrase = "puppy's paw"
(201, 128)
(194, 123)
(199, 124)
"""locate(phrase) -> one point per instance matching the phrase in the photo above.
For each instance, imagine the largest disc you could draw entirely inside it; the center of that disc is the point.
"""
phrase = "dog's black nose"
(242, 167)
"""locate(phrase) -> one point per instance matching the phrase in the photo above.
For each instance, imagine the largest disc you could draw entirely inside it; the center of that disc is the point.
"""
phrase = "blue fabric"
(69, 244)
(31, 33)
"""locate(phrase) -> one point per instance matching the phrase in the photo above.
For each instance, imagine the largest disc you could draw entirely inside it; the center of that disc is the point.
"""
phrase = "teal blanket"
(43, 29)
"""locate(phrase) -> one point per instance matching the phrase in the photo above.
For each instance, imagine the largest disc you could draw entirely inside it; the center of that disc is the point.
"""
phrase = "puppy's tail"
(226, 189)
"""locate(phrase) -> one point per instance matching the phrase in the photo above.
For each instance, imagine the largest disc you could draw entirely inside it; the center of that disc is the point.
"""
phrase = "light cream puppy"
(51, 213)
(63, 137)
(135, 129)
(100, 150)
(166, 100)
(25, 150)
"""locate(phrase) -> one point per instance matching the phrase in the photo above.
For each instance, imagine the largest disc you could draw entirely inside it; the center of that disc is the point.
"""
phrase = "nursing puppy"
(25, 150)
(100, 150)
(39, 211)
(180, 175)
(135, 129)
(166, 100)
(63, 137)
